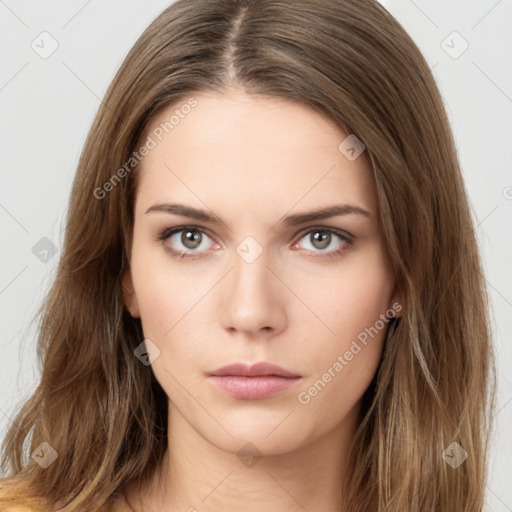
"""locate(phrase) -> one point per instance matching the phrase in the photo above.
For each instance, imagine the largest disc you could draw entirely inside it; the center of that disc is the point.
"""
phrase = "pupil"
(191, 239)
(321, 239)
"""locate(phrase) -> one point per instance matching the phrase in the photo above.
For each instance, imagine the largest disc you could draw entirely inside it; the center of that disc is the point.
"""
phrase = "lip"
(261, 369)
(261, 380)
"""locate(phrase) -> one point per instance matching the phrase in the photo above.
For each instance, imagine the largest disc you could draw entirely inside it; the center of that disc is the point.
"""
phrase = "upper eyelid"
(337, 231)
(167, 233)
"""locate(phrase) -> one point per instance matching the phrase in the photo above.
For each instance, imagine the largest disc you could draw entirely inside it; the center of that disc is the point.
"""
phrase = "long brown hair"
(104, 413)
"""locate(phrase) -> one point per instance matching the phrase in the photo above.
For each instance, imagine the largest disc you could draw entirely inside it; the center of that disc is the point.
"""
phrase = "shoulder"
(13, 499)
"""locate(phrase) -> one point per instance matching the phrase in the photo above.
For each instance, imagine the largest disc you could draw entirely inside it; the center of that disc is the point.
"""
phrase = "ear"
(129, 296)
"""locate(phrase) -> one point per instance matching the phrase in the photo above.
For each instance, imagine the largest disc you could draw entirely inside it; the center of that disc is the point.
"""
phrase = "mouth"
(255, 382)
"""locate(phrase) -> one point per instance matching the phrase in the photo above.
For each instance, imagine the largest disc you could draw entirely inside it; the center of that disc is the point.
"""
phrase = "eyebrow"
(290, 220)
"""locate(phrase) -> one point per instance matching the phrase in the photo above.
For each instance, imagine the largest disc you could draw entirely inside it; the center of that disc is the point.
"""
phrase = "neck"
(199, 476)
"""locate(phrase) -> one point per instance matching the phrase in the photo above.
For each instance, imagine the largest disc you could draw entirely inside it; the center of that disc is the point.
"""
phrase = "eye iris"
(191, 239)
(320, 239)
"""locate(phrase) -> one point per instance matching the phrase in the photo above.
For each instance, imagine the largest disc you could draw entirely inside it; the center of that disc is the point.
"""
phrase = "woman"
(269, 295)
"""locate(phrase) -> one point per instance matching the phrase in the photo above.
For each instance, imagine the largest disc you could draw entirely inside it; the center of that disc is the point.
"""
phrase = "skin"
(252, 160)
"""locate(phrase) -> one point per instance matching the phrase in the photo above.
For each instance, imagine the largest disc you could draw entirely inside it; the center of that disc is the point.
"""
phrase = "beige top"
(117, 504)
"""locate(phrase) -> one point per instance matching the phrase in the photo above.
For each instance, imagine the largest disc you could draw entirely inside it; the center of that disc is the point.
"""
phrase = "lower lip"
(253, 388)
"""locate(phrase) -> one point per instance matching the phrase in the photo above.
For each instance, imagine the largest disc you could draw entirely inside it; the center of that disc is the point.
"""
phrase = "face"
(229, 265)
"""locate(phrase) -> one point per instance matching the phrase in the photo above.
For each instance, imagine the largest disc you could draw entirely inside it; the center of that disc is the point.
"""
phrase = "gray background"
(47, 106)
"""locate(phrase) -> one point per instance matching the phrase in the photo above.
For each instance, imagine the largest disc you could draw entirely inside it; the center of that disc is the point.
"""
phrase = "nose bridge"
(252, 301)
(251, 278)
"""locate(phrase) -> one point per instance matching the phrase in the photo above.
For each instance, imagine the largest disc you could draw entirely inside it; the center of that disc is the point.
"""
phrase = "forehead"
(259, 150)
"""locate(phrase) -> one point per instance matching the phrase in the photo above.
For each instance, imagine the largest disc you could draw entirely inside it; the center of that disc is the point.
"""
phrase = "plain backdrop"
(57, 59)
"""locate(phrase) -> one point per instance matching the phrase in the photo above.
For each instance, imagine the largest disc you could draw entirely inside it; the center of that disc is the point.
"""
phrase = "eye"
(193, 242)
(186, 241)
(326, 242)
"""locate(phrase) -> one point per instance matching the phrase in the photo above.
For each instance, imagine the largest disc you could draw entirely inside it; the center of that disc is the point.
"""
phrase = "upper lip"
(257, 369)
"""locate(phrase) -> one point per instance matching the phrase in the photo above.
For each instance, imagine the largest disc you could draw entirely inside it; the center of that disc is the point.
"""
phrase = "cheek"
(346, 361)
(167, 307)
(164, 294)
(355, 295)
(157, 305)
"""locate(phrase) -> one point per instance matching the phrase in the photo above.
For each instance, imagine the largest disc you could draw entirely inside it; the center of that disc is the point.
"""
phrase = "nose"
(253, 299)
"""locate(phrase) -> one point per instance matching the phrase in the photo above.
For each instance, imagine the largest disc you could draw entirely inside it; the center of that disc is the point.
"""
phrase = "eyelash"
(344, 236)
